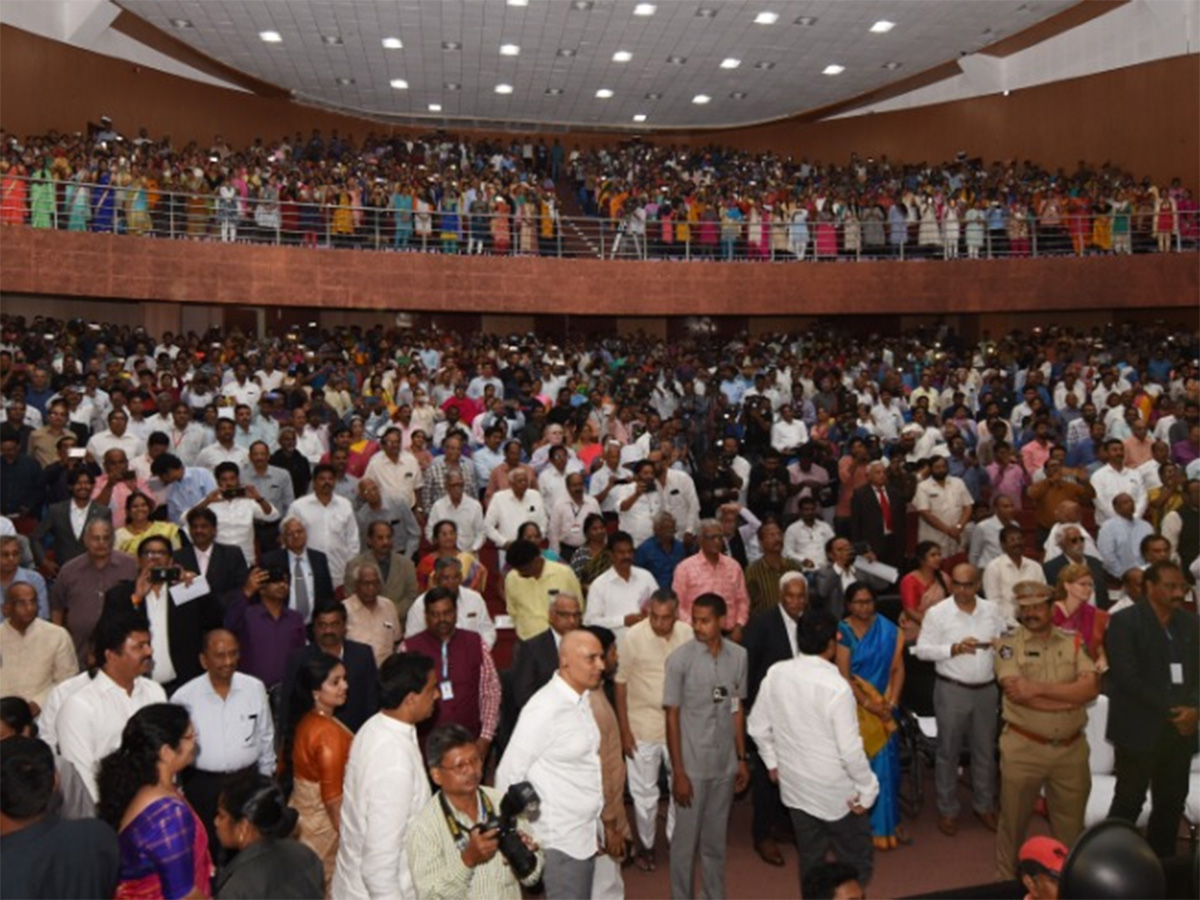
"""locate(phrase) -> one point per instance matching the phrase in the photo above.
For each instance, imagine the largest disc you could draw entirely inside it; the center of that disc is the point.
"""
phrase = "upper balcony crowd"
(450, 194)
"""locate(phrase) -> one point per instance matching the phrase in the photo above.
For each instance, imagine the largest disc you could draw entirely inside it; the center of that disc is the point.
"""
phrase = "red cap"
(1045, 851)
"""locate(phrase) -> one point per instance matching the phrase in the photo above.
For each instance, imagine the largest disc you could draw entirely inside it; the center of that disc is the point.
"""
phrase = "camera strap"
(460, 834)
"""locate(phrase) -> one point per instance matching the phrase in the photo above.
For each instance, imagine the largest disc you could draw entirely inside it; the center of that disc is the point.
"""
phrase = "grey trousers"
(971, 715)
(701, 826)
(849, 837)
(567, 878)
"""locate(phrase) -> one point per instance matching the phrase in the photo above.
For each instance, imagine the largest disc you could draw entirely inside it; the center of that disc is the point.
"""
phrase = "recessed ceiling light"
(701, 99)
(806, 21)
(518, 2)
(738, 95)
(333, 40)
(271, 37)
(677, 60)
(883, 26)
(553, 92)
(892, 66)
(766, 18)
(604, 93)
(833, 69)
(567, 52)
(582, 5)
(639, 117)
(706, 13)
(622, 56)
(399, 84)
(182, 23)
(435, 107)
(654, 95)
(345, 82)
(764, 65)
(644, 9)
(451, 45)
(730, 63)
(393, 43)
(452, 86)
(504, 89)
(510, 50)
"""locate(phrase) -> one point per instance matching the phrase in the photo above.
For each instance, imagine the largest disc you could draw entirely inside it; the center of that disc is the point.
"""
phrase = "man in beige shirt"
(370, 618)
(643, 653)
(35, 655)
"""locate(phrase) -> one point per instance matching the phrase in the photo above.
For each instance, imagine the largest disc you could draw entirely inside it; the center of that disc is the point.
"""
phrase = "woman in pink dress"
(826, 242)
(501, 229)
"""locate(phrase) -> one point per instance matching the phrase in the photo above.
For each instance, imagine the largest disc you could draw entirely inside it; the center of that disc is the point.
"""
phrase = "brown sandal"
(645, 860)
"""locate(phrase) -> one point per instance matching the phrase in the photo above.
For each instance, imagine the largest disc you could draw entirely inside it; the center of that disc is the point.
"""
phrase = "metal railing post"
(1033, 236)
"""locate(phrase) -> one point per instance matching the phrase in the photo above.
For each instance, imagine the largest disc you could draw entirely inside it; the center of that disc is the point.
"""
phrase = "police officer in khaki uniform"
(1048, 679)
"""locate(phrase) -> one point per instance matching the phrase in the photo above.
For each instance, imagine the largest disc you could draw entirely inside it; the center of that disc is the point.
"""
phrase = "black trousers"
(849, 838)
(1164, 768)
(203, 790)
(769, 811)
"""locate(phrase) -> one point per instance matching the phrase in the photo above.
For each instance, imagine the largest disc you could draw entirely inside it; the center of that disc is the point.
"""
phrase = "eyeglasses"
(963, 584)
(462, 767)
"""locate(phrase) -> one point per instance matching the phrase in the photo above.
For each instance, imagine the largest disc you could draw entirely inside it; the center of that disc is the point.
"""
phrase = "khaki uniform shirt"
(1058, 659)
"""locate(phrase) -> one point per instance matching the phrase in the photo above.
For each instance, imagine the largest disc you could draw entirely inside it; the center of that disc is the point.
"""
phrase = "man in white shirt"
(1114, 478)
(396, 471)
(617, 599)
(472, 608)
(985, 536)
(511, 508)
(385, 786)
(608, 477)
(568, 514)
(805, 539)
(552, 479)
(556, 747)
(638, 502)
(90, 722)
(788, 433)
(230, 708)
(1006, 570)
(237, 509)
(805, 726)
(678, 496)
(116, 436)
(1121, 537)
(329, 521)
(464, 511)
(224, 450)
(958, 636)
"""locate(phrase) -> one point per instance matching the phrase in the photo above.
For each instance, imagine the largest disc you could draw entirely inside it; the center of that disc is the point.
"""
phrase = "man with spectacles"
(1073, 542)
(957, 637)
(450, 853)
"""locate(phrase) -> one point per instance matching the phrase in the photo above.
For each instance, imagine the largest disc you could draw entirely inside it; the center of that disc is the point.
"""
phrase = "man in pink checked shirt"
(711, 571)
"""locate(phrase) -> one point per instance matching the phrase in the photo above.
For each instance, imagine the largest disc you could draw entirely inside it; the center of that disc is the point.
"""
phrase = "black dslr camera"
(520, 798)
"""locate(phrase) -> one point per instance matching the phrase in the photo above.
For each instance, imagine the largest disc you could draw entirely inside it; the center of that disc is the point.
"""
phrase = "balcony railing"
(540, 230)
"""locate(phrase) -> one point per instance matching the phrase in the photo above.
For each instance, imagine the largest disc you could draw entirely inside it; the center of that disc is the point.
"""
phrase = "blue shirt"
(658, 562)
(194, 486)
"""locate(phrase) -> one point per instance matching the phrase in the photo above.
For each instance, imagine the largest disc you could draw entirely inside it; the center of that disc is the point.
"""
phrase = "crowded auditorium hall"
(602, 449)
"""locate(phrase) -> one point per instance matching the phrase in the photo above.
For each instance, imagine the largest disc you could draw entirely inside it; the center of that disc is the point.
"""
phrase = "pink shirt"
(696, 575)
(1034, 456)
(119, 495)
(1011, 482)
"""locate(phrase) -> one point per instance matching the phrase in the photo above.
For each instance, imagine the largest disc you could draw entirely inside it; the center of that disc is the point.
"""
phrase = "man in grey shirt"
(274, 484)
(703, 691)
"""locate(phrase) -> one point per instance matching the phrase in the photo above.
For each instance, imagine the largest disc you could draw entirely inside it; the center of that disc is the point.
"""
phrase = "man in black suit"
(176, 654)
(329, 634)
(223, 566)
(771, 638)
(536, 660)
(1154, 703)
(831, 581)
(308, 569)
(65, 529)
(1070, 538)
(877, 516)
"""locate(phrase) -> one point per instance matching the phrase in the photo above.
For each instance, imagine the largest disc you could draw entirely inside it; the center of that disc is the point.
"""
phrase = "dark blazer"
(766, 643)
(57, 524)
(362, 700)
(535, 662)
(1099, 576)
(866, 523)
(827, 590)
(1140, 693)
(227, 570)
(322, 580)
(187, 624)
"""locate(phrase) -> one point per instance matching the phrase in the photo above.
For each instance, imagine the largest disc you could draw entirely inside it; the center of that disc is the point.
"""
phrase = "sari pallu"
(164, 853)
(871, 665)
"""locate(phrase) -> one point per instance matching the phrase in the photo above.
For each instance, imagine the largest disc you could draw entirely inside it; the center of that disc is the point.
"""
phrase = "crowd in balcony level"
(306, 539)
(444, 193)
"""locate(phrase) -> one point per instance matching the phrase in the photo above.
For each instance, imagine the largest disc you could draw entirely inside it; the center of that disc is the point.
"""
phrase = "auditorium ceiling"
(617, 64)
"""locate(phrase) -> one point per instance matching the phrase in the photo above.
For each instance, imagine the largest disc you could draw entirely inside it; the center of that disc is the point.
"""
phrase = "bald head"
(581, 660)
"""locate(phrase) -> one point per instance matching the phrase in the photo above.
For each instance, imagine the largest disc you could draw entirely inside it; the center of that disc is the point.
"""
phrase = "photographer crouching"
(467, 842)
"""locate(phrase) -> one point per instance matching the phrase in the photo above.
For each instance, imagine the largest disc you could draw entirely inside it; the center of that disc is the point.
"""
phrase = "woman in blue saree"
(871, 656)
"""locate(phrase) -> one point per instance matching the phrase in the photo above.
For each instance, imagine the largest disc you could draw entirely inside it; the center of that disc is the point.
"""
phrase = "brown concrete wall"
(104, 266)
(1142, 118)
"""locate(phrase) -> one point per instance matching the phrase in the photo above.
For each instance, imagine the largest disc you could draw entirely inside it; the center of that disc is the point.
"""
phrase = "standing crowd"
(366, 612)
